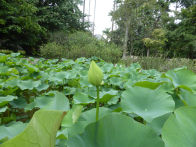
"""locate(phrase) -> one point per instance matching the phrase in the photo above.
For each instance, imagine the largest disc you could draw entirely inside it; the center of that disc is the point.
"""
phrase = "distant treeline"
(154, 27)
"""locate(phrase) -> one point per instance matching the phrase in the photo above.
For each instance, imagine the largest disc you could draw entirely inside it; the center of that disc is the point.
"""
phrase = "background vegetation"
(155, 28)
(163, 29)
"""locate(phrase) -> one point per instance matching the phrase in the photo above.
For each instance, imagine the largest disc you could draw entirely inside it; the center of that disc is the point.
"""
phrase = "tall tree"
(56, 15)
(83, 19)
(19, 28)
(182, 35)
(137, 20)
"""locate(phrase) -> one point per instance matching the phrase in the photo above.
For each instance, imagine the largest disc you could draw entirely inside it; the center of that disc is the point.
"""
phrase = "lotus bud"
(95, 74)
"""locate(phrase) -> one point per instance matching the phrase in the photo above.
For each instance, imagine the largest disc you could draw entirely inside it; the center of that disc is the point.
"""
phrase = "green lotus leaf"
(180, 129)
(106, 96)
(8, 132)
(28, 84)
(116, 130)
(148, 84)
(188, 97)
(72, 116)
(86, 118)
(183, 78)
(157, 123)
(82, 98)
(3, 59)
(147, 103)
(41, 130)
(6, 99)
(3, 109)
(54, 101)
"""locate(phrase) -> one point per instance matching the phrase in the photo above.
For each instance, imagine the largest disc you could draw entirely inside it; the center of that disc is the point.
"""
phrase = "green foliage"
(181, 123)
(156, 103)
(80, 44)
(159, 63)
(106, 132)
(182, 36)
(51, 50)
(41, 130)
(59, 15)
(25, 25)
(141, 18)
(157, 41)
(19, 26)
(6, 51)
(136, 106)
(146, 20)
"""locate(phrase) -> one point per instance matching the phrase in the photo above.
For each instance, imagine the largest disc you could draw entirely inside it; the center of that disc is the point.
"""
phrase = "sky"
(102, 20)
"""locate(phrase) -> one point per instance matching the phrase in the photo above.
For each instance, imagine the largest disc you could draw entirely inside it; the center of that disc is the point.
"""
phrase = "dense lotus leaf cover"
(145, 99)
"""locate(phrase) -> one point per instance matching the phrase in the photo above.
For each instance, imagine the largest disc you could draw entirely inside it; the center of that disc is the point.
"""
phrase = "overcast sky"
(102, 20)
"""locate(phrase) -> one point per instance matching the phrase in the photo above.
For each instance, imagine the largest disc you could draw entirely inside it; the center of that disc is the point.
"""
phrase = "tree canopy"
(138, 21)
(25, 24)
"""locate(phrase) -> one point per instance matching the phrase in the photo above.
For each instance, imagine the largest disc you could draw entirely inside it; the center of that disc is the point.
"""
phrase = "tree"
(58, 15)
(157, 42)
(182, 35)
(136, 20)
(19, 28)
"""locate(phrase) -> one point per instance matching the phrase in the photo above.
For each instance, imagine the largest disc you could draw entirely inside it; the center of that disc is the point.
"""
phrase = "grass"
(160, 64)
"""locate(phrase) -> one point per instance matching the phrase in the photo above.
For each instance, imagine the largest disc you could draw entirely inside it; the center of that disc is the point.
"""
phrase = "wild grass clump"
(160, 64)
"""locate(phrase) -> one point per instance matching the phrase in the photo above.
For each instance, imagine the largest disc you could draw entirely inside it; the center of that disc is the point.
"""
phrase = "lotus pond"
(50, 102)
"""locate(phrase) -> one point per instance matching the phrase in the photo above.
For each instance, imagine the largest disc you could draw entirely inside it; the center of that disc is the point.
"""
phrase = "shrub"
(51, 50)
(6, 51)
(80, 44)
(22, 52)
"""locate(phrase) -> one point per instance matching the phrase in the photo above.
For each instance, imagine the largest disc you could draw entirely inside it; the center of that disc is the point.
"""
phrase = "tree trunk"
(148, 52)
(114, 9)
(126, 38)
(83, 12)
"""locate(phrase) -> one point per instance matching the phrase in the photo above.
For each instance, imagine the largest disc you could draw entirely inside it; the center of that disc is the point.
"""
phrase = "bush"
(51, 50)
(22, 52)
(80, 44)
(6, 51)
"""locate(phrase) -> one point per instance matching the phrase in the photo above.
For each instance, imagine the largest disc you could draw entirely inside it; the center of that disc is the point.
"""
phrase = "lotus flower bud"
(95, 74)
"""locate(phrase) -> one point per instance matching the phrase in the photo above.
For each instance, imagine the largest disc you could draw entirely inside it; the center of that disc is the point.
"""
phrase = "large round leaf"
(187, 97)
(180, 129)
(8, 132)
(146, 103)
(183, 78)
(41, 131)
(116, 130)
(6, 99)
(54, 101)
(82, 98)
(85, 119)
(157, 123)
(28, 84)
